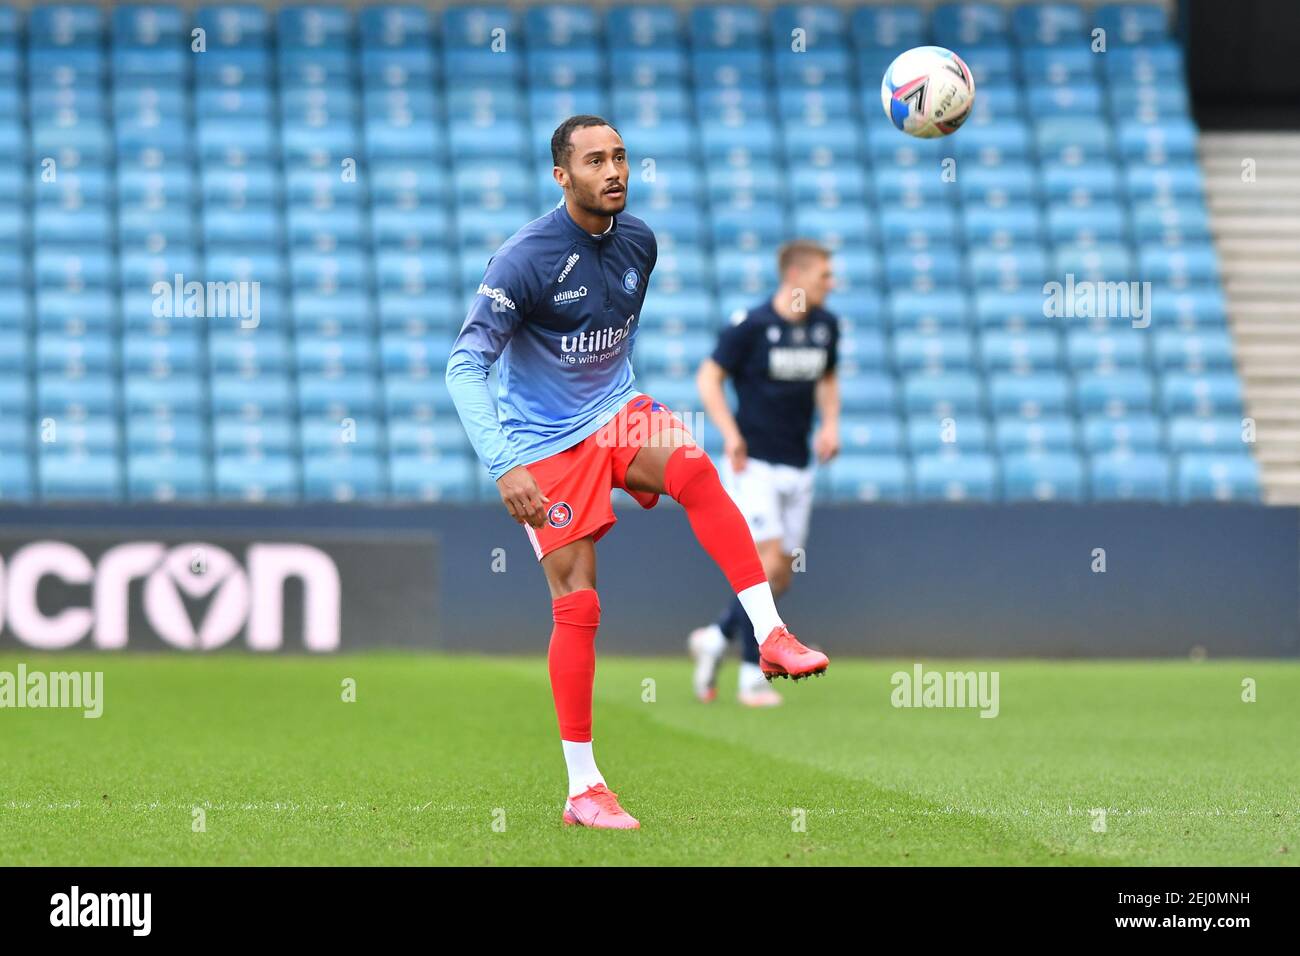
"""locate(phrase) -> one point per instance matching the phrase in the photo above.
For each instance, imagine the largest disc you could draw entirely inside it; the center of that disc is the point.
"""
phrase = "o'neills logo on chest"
(568, 267)
(586, 342)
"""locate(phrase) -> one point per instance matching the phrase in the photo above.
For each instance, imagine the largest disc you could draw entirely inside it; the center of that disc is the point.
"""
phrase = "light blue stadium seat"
(1064, 64)
(417, 397)
(428, 437)
(350, 477)
(1192, 264)
(918, 229)
(987, 227)
(1214, 393)
(252, 398)
(248, 353)
(960, 432)
(958, 25)
(1039, 394)
(936, 267)
(1147, 64)
(943, 393)
(323, 435)
(1015, 435)
(1145, 183)
(1100, 262)
(957, 477)
(336, 356)
(1009, 268)
(1019, 352)
(343, 396)
(1132, 24)
(1013, 311)
(1100, 222)
(1129, 476)
(676, 355)
(1173, 224)
(1043, 476)
(1084, 183)
(1158, 143)
(394, 25)
(232, 435)
(72, 399)
(927, 310)
(643, 26)
(1194, 352)
(1219, 435)
(16, 484)
(935, 350)
(1092, 350)
(79, 477)
(1205, 477)
(152, 434)
(257, 478)
(163, 397)
(891, 27)
(1116, 393)
(1103, 434)
(862, 348)
(1187, 309)
(869, 394)
(448, 477)
(168, 476)
(868, 477)
(322, 272)
(873, 434)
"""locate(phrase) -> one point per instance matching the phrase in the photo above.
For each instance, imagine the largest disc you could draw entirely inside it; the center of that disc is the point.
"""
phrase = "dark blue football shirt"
(775, 365)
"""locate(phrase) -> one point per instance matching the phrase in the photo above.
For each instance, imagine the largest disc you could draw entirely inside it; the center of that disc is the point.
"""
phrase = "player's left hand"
(826, 444)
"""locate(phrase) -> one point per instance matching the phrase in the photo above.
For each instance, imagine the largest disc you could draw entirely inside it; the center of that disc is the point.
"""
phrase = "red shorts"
(578, 480)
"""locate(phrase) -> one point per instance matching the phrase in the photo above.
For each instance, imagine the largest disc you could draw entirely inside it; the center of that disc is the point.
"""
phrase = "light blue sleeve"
(492, 320)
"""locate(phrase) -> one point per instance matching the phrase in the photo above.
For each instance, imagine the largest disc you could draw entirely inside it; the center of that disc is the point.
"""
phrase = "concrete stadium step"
(1256, 229)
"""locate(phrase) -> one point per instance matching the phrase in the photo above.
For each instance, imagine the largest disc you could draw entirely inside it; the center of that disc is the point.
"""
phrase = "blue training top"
(558, 308)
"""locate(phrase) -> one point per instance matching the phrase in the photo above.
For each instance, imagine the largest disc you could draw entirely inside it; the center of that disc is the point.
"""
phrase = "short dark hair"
(798, 252)
(561, 139)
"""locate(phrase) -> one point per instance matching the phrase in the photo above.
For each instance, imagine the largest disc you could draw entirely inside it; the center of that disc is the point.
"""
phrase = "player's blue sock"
(735, 621)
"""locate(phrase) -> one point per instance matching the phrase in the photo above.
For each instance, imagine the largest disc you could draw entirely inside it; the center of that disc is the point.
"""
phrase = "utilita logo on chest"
(595, 346)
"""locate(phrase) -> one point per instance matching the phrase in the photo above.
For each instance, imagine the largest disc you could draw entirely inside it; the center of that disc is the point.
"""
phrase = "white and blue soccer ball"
(928, 92)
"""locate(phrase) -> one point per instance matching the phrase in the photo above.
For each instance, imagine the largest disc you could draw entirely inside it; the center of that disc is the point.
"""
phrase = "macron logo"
(496, 295)
(568, 267)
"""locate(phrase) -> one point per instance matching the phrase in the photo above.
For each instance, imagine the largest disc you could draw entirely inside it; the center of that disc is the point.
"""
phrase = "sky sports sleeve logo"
(76, 909)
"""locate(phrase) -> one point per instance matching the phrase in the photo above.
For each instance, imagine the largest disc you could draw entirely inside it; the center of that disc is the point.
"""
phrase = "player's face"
(597, 171)
(816, 277)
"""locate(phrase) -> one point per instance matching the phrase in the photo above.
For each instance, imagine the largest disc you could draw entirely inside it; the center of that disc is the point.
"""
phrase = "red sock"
(691, 480)
(572, 660)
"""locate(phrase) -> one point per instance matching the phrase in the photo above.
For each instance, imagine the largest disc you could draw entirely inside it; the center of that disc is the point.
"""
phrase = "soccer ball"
(928, 92)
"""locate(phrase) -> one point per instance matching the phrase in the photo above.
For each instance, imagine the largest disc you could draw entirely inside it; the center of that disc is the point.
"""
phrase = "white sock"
(582, 766)
(751, 677)
(759, 604)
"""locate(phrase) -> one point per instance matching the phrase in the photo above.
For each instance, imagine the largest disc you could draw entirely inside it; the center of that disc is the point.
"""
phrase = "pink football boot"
(598, 807)
(781, 655)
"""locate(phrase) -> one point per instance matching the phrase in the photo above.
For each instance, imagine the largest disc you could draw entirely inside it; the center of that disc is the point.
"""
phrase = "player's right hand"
(522, 498)
(736, 452)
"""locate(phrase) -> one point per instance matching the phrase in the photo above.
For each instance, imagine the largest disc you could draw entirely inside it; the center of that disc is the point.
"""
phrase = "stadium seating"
(361, 166)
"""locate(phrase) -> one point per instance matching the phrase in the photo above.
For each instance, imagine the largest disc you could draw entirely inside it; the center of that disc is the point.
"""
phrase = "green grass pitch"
(455, 760)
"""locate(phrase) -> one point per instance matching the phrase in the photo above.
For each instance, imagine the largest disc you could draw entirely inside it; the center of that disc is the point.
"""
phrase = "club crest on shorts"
(630, 280)
(559, 514)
